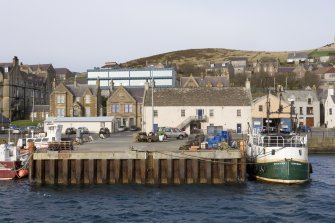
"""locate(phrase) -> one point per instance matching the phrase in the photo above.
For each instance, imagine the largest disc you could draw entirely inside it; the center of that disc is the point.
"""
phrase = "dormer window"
(309, 101)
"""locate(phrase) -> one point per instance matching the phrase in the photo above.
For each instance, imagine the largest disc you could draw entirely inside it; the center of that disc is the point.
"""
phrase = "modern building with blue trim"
(132, 77)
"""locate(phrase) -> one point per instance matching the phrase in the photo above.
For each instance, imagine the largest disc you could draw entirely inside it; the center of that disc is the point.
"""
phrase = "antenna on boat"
(268, 112)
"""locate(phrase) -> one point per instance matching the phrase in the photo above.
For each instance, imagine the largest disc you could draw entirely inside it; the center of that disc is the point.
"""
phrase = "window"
(211, 112)
(155, 113)
(128, 108)
(87, 111)
(60, 99)
(309, 111)
(330, 111)
(309, 100)
(115, 108)
(260, 108)
(140, 109)
(301, 111)
(182, 113)
(238, 112)
(77, 99)
(87, 99)
(60, 112)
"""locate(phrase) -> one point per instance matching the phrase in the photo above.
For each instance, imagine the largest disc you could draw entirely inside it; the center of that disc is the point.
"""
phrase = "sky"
(82, 34)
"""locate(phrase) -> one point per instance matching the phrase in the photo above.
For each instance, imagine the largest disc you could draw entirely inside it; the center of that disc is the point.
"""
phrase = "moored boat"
(275, 152)
(11, 162)
(278, 158)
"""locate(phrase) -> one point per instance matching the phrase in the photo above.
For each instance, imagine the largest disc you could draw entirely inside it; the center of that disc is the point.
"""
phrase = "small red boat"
(11, 163)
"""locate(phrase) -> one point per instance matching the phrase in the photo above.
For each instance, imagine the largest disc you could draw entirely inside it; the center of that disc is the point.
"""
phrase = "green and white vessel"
(278, 158)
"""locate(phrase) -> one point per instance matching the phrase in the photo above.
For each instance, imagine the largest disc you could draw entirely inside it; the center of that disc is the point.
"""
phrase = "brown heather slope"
(204, 56)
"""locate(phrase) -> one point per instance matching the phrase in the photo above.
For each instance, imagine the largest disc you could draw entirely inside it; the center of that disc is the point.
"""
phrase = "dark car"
(70, 131)
(304, 128)
(104, 131)
(133, 128)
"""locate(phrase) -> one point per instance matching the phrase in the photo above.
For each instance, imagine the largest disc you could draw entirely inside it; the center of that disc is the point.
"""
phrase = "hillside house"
(329, 107)
(306, 104)
(297, 57)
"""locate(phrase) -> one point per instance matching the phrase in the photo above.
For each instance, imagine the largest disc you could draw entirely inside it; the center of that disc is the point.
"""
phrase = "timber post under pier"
(137, 167)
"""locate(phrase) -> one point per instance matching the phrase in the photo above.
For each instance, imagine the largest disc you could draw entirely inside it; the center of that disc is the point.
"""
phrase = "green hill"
(204, 56)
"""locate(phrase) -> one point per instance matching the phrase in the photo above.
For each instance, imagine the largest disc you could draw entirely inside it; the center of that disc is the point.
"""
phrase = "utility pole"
(32, 112)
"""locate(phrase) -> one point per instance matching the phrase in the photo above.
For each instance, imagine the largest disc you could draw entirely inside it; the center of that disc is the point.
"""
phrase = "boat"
(53, 134)
(13, 165)
(278, 157)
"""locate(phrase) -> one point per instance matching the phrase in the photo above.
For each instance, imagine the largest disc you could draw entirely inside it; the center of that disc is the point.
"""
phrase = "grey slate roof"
(137, 93)
(300, 95)
(79, 90)
(202, 82)
(227, 96)
(62, 70)
(43, 67)
(297, 55)
(285, 69)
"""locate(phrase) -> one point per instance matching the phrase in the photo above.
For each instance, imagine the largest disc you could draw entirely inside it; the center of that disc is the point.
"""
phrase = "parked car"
(83, 130)
(104, 131)
(70, 131)
(133, 128)
(304, 128)
(173, 133)
(121, 128)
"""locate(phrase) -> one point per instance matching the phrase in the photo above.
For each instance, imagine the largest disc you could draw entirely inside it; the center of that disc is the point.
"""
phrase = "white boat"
(53, 134)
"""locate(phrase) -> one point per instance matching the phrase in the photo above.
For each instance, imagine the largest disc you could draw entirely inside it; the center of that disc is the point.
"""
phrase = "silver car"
(174, 133)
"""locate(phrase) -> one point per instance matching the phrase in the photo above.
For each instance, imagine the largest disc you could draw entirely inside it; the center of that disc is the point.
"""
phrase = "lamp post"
(152, 99)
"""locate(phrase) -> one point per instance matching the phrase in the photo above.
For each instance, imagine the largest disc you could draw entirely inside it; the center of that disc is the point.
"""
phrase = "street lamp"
(152, 98)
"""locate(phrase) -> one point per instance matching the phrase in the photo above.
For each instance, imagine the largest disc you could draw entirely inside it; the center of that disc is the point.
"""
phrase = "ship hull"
(285, 171)
(8, 169)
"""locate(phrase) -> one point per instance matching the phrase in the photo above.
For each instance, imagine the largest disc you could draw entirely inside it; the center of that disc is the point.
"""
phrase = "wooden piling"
(186, 167)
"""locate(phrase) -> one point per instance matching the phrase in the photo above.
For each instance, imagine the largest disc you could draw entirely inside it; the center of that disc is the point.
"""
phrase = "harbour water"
(249, 202)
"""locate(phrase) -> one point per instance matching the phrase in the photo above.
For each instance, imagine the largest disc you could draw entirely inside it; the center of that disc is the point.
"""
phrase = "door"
(239, 128)
(310, 122)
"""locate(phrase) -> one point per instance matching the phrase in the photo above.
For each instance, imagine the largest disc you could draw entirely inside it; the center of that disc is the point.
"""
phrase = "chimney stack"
(15, 61)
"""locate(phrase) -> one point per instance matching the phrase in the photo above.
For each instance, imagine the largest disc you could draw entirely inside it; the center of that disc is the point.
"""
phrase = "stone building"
(76, 100)
(125, 104)
(22, 87)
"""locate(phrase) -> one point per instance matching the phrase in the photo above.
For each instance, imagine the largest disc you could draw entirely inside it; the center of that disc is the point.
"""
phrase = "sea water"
(249, 202)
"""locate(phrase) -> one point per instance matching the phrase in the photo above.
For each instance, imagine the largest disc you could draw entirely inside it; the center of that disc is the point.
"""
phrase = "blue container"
(217, 138)
(224, 134)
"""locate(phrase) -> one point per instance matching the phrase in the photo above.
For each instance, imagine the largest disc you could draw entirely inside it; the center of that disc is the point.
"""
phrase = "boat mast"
(267, 112)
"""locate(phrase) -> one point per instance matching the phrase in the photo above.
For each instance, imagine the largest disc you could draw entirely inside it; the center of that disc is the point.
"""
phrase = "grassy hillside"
(204, 56)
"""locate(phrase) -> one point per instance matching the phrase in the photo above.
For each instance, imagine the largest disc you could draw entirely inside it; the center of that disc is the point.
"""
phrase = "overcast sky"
(81, 34)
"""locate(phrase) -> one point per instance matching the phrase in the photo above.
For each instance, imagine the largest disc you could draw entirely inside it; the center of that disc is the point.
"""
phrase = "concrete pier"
(137, 167)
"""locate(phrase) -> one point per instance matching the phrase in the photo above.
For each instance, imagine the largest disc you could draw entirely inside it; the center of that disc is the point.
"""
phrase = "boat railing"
(279, 141)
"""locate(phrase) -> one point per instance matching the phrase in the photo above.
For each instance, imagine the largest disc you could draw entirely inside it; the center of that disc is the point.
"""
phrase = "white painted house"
(306, 104)
(92, 123)
(329, 109)
(229, 107)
